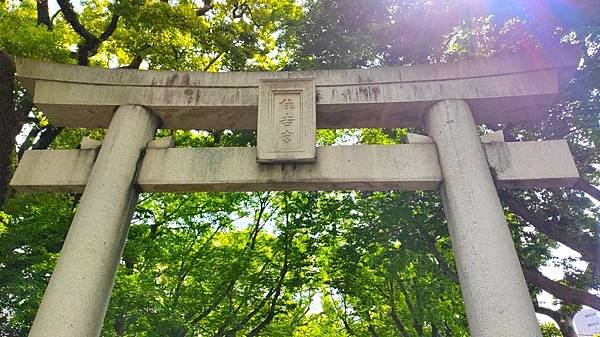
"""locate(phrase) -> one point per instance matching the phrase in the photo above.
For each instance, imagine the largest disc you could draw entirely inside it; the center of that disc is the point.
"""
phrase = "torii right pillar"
(496, 297)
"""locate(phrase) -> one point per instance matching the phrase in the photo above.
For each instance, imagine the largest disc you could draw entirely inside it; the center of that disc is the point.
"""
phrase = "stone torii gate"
(448, 100)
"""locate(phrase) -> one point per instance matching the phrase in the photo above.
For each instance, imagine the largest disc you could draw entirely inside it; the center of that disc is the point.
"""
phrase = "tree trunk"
(434, 331)
(566, 326)
(43, 15)
(588, 188)
(564, 320)
(582, 243)
(564, 293)
(9, 122)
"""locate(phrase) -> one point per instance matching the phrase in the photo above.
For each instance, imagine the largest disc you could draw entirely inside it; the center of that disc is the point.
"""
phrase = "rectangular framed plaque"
(287, 122)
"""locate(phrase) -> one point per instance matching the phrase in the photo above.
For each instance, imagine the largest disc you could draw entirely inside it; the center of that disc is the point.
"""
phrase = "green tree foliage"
(23, 36)
(390, 32)
(550, 330)
(250, 264)
(382, 265)
(206, 266)
(248, 275)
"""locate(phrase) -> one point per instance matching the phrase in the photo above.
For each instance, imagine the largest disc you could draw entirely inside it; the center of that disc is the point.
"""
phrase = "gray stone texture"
(161, 143)
(365, 167)
(520, 164)
(286, 130)
(499, 89)
(76, 298)
(493, 287)
(447, 99)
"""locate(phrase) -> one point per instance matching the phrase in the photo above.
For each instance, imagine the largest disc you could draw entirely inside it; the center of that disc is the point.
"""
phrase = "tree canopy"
(341, 263)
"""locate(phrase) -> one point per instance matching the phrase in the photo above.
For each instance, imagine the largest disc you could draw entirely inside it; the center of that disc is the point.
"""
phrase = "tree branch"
(587, 187)
(231, 283)
(585, 245)
(564, 321)
(370, 326)
(343, 317)
(43, 15)
(215, 303)
(372, 330)
(72, 18)
(135, 63)
(275, 297)
(416, 324)
(212, 61)
(223, 331)
(54, 16)
(208, 5)
(430, 242)
(110, 29)
(282, 273)
(48, 134)
(561, 291)
(31, 136)
(239, 9)
(90, 43)
(401, 328)
(394, 312)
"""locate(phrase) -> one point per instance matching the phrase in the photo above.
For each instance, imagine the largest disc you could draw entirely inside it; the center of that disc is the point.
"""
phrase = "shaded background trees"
(403, 33)
(285, 264)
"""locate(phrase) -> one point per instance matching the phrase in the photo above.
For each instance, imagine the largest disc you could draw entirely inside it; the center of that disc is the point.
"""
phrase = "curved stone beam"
(513, 88)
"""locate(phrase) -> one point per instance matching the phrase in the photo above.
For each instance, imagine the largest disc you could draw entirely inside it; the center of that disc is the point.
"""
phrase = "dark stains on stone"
(347, 94)
(177, 80)
(188, 93)
(369, 93)
(503, 155)
(197, 96)
(362, 80)
(172, 79)
(185, 79)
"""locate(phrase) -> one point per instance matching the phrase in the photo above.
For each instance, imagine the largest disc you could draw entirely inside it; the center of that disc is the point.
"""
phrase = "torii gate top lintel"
(507, 88)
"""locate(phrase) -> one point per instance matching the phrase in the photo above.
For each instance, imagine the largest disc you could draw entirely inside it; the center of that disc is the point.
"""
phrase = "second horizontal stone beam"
(367, 167)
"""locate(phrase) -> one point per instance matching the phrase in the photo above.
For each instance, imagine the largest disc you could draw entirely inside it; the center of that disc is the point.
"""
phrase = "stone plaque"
(286, 127)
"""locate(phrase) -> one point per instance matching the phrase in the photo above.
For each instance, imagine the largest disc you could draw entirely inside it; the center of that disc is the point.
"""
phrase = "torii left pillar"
(76, 299)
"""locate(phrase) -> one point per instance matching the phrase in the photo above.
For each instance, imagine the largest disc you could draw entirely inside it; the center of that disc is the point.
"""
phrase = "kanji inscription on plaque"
(286, 121)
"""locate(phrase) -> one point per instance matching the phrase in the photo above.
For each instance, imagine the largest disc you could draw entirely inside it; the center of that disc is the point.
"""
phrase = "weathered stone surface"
(407, 166)
(541, 59)
(499, 89)
(54, 171)
(496, 297)
(287, 125)
(161, 143)
(413, 138)
(77, 295)
(493, 137)
(440, 97)
(90, 144)
(508, 97)
(549, 159)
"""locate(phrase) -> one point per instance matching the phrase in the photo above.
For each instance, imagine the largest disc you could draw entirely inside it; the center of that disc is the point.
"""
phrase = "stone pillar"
(76, 298)
(493, 286)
